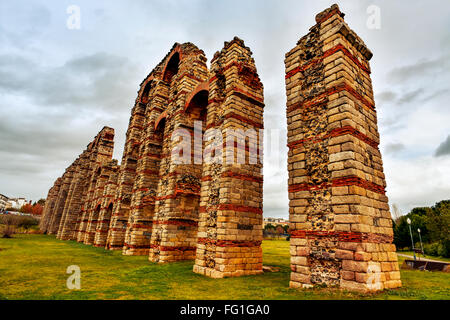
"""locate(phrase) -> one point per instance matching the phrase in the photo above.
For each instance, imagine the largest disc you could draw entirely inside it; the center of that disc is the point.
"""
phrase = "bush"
(12, 222)
(10, 225)
(439, 249)
(431, 249)
(27, 222)
(444, 249)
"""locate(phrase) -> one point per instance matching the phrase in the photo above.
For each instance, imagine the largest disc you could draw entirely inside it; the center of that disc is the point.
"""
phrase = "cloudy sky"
(60, 86)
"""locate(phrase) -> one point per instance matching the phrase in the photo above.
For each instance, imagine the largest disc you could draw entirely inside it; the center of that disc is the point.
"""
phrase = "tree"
(269, 226)
(418, 216)
(438, 223)
(26, 208)
(280, 229)
(37, 209)
(41, 202)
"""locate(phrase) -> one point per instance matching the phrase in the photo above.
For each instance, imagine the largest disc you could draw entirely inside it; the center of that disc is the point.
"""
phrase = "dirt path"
(421, 258)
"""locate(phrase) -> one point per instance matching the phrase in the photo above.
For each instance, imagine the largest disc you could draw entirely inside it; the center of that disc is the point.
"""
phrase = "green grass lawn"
(34, 267)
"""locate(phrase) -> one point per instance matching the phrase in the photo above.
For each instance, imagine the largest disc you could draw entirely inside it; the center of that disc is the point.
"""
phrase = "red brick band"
(169, 248)
(342, 236)
(326, 54)
(177, 222)
(131, 246)
(339, 182)
(240, 176)
(335, 133)
(229, 243)
(115, 246)
(140, 225)
(323, 98)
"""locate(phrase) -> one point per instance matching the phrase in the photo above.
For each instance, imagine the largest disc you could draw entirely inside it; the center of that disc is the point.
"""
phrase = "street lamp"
(421, 245)
(412, 241)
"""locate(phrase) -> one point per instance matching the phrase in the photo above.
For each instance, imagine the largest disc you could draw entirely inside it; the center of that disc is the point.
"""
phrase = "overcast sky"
(60, 86)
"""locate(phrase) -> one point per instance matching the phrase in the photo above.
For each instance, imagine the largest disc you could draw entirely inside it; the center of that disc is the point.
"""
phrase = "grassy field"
(34, 267)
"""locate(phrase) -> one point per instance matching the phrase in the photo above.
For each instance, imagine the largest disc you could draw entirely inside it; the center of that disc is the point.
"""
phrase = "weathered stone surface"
(338, 207)
(153, 204)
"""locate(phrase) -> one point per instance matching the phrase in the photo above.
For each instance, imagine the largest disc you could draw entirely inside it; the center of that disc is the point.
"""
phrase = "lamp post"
(421, 245)
(412, 241)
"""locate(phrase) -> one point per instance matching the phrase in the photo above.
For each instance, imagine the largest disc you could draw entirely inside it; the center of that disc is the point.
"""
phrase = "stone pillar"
(61, 201)
(127, 176)
(230, 224)
(50, 204)
(341, 227)
(107, 203)
(88, 190)
(154, 94)
(99, 152)
(96, 204)
(176, 214)
(102, 155)
(68, 230)
(70, 197)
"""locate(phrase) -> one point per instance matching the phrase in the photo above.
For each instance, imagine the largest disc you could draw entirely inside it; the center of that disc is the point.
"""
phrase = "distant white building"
(276, 221)
(16, 203)
(3, 202)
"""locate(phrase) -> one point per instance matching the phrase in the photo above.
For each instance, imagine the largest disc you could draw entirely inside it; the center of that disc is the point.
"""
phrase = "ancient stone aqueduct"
(341, 229)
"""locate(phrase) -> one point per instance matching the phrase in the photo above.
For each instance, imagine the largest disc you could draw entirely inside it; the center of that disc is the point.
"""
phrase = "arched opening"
(171, 67)
(146, 92)
(109, 211)
(196, 109)
(97, 212)
(160, 124)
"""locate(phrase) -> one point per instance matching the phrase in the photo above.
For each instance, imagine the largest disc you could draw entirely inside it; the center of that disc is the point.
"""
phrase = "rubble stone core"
(341, 227)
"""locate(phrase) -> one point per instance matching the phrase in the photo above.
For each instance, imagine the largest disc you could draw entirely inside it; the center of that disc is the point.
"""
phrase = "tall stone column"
(50, 204)
(341, 227)
(127, 176)
(107, 203)
(61, 200)
(154, 95)
(176, 212)
(230, 223)
(68, 230)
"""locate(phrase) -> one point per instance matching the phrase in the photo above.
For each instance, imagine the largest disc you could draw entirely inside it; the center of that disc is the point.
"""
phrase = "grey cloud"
(408, 97)
(420, 69)
(399, 98)
(386, 96)
(444, 148)
(392, 148)
(99, 80)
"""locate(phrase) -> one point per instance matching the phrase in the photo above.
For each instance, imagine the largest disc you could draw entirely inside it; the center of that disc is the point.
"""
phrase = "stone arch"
(197, 102)
(143, 98)
(171, 67)
(97, 210)
(109, 208)
(161, 121)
